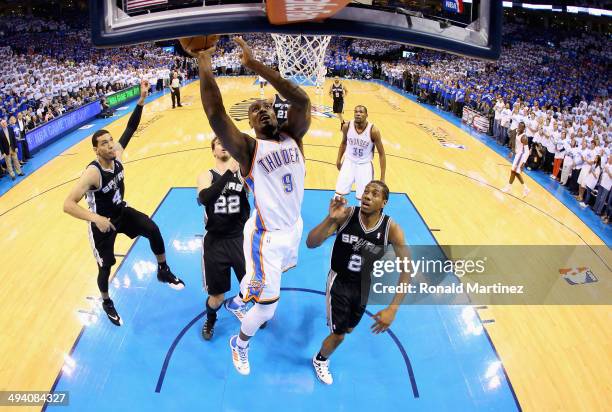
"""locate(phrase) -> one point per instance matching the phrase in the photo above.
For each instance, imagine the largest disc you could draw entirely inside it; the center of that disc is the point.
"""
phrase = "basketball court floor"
(445, 185)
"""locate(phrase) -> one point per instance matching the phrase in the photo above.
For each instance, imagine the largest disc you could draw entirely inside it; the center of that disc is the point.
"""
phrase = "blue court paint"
(452, 363)
(586, 215)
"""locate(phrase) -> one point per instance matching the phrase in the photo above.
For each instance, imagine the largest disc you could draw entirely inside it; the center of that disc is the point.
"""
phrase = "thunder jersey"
(356, 249)
(276, 179)
(359, 146)
(281, 108)
(226, 217)
(107, 200)
(337, 91)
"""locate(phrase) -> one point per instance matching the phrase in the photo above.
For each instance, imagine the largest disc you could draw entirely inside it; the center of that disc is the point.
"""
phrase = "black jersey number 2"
(354, 264)
(227, 205)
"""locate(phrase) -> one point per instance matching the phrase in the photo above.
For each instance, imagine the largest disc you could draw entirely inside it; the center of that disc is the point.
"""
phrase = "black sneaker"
(166, 276)
(113, 316)
(263, 325)
(208, 330)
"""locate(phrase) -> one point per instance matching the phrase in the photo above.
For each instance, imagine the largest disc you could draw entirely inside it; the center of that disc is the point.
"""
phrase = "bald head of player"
(361, 115)
(218, 150)
(103, 145)
(375, 197)
(263, 119)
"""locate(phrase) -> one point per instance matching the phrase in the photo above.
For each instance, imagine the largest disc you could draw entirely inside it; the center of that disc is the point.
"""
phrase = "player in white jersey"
(273, 166)
(359, 138)
(521, 153)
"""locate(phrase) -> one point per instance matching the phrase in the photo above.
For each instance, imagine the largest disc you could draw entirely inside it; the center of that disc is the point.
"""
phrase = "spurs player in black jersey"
(223, 194)
(108, 214)
(281, 108)
(338, 92)
(362, 235)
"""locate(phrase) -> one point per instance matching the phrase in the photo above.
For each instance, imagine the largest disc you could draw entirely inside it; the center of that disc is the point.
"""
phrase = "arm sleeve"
(131, 126)
(211, 193)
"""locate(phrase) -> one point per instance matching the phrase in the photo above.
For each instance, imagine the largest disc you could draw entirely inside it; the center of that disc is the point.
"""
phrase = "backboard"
(466, 27)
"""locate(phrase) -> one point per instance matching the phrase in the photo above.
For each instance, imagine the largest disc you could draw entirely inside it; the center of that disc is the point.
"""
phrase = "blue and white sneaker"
(238, 310)
(240, 356)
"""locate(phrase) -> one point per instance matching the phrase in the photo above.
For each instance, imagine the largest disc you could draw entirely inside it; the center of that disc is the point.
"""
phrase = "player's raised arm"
(384, 318)
(298, 116)
(338, 213)
(134, 121)
(240, 145)
(382, 158)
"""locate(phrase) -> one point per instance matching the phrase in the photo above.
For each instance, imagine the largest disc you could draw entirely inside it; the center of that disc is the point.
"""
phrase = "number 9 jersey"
(276, 179)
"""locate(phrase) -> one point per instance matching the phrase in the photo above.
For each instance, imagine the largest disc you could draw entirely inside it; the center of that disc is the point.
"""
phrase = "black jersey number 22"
(227, 205)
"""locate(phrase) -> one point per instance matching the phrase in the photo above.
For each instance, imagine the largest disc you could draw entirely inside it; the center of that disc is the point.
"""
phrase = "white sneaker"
(505, 189)
(582, 204)
(238, 311)
(240, 356)
(526, 192)
(322, 370)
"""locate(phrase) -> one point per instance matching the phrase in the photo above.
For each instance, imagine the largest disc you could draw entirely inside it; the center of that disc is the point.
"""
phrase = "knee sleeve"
(256, 316)
(103, 275)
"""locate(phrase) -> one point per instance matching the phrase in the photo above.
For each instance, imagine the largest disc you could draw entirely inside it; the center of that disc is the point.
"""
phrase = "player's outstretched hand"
(382, 320)
(144, 88)
(247, 53)
(338, 210)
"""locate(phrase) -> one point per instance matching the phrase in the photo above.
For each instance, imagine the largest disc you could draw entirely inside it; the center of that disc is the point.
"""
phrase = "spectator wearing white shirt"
(592, 180)
(603, 190)
(588, 155)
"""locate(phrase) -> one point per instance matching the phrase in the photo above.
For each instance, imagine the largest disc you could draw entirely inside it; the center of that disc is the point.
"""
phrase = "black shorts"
(219, 255)
(130, 222)
(345, 307)
(338, 106)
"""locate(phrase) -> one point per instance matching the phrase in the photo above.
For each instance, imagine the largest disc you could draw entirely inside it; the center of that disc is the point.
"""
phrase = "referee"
(175, 90)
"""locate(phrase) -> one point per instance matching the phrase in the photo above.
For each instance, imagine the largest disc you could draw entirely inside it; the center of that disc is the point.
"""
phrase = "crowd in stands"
(561, 91)
(557, 83)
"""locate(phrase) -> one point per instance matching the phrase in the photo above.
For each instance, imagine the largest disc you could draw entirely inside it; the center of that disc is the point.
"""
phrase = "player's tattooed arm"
(342, 147)
(298, 116)
(382, 158)
(384, 318)
(90, 179)
(240, 145)
(338, 214)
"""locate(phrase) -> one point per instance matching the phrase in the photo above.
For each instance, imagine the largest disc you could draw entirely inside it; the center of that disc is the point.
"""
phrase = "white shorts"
(359, 173)
(267, 255)
(519, 160)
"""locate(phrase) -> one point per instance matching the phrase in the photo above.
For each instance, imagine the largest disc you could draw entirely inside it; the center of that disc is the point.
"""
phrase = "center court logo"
(240, 110)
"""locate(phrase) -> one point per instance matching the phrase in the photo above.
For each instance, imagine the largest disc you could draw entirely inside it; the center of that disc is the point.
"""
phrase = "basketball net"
(302, 58)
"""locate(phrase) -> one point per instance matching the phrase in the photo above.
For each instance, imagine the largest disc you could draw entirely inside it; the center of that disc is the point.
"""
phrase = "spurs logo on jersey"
(226, 217)
(107, 200)
(337, 91)
(281, 108)
(277, 182)
(356, 249)
(359, 146)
